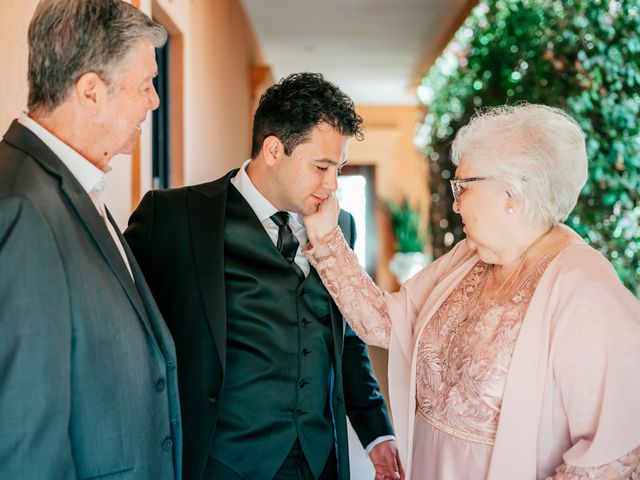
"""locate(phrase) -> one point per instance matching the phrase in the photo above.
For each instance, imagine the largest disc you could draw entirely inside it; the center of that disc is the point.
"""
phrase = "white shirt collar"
(262, 207)
(90, 177)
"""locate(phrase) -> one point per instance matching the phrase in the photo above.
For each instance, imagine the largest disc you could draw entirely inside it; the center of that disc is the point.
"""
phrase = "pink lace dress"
(463, 357)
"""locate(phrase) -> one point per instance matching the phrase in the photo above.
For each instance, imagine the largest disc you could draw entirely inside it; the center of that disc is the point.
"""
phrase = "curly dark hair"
(291, 108)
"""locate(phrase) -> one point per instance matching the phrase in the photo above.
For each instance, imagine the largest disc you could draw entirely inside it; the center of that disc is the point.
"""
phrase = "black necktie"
(287, 241)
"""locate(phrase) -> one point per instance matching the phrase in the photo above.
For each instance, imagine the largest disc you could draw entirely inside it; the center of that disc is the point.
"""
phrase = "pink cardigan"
(572, 393)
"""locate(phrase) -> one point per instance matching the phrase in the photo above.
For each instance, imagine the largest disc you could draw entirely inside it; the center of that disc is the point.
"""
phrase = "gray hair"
(68, 38)
(539, 152)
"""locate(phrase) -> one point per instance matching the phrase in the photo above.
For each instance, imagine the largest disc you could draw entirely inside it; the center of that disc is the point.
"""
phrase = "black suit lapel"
(206, 222)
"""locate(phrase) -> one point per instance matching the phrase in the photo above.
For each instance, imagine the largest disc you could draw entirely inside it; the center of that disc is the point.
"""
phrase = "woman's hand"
(319, 224)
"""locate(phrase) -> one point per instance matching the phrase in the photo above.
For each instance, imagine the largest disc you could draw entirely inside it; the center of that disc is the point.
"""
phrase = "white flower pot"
(405, 265)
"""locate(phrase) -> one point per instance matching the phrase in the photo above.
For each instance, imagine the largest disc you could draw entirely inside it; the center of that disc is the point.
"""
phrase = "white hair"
(539, 152)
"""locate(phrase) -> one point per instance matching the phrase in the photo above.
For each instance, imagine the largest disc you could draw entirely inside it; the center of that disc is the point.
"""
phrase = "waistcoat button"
(167, 444)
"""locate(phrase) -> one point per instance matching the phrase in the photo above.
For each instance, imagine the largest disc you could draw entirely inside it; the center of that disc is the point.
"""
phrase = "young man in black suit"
(267, 367)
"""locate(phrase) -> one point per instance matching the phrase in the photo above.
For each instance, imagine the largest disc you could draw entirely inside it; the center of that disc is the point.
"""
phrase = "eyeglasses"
(456, 184)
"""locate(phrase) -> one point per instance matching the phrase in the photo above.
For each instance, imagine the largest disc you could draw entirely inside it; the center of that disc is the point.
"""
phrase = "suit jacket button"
(160, 385)
(167, 444)
(213, 398)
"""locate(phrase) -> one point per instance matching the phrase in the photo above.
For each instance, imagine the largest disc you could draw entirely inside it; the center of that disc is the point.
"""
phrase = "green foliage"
(579, 55)
(407, 227)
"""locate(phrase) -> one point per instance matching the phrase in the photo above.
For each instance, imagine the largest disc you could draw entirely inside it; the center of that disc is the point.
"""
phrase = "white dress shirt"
(91, 178)
(263, 209)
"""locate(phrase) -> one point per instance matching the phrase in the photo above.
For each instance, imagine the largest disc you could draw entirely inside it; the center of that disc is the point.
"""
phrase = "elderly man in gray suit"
(87, 366)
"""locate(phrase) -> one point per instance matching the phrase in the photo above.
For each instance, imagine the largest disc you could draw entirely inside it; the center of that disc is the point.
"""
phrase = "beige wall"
(219, 49)
(400, 171)
(14, 21)
(219, 52)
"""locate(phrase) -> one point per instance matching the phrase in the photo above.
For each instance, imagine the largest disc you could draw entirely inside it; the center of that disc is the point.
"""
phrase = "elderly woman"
(517, 354)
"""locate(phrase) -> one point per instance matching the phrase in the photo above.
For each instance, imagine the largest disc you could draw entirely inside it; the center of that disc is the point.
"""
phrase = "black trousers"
(294, 467)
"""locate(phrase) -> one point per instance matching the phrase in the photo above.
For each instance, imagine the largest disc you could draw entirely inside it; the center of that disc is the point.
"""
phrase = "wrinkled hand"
(319, 224)
(386, 461)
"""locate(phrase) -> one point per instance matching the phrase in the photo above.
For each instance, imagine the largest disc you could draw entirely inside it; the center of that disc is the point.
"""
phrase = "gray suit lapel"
(96, 227)
(24, 140)
(136, 289)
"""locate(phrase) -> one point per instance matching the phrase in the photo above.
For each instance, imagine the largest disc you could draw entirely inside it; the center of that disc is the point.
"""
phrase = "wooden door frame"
(176, 107)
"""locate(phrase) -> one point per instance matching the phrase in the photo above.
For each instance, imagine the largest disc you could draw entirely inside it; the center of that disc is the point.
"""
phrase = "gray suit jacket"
(88, 384)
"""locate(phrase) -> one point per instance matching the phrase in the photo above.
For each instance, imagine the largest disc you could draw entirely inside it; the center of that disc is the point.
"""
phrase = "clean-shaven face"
(130, 98)
(310, 174)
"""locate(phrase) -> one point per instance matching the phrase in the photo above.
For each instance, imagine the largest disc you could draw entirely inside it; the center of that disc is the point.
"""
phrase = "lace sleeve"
(359, 299)
(626, 467)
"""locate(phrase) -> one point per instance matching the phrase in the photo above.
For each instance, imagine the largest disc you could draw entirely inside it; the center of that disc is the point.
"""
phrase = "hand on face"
(386, 461)
(319, 224)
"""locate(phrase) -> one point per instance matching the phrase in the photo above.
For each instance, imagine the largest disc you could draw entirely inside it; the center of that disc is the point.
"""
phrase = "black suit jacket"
(178, 238)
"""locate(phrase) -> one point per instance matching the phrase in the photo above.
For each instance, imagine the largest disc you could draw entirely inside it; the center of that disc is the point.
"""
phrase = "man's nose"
(154, 100)
(331, 181)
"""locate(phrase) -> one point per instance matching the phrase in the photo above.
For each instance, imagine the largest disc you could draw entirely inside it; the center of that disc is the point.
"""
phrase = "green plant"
(579, 55)
(407, 227)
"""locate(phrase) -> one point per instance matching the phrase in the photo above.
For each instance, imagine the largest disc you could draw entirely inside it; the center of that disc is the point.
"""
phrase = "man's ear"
(272, 150)
(90, 91)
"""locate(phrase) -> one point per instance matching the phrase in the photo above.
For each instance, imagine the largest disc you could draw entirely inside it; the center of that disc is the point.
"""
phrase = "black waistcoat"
(279, 354)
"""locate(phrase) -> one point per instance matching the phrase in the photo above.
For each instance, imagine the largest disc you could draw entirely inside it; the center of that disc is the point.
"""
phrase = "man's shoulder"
(172, 204)
(345, 217)
(347, 225)
(11, 163)
(207, 189)
(19, 173)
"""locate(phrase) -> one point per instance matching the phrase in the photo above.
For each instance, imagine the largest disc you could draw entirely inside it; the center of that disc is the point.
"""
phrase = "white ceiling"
(375, 50)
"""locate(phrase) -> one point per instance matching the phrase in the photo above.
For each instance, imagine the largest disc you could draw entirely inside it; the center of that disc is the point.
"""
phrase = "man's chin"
(310, 209)
(128, 149)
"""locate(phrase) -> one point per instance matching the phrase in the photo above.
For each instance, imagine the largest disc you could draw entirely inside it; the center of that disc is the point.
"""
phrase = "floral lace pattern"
(360, 300)
(626, 467)
(465, 398)
(462, 393)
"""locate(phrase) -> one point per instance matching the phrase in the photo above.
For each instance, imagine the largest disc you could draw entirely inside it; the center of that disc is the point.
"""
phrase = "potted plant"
(410, 240)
